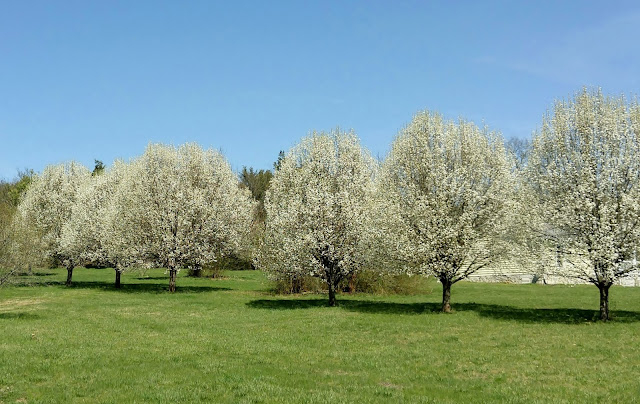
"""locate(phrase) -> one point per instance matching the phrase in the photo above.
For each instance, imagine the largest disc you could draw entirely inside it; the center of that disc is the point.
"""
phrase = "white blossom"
(85, 235)
(47, 206)
(584, 182)
(444, 197)
(177, 208)
(318, 209)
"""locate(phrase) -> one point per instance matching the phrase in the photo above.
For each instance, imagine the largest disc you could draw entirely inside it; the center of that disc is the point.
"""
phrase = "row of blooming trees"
(438, 205)
(447, 201)
(450, 200)
(172, 208)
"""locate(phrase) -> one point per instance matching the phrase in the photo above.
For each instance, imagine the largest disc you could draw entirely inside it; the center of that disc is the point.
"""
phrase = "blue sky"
(84, 80)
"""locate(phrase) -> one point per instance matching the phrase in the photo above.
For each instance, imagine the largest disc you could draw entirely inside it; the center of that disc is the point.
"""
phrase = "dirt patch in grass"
(11, 304)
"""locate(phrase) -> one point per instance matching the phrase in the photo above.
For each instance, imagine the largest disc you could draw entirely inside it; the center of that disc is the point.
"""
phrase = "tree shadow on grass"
(499, 312)
(148, 278)
(133, 287)
(546, 315)
(351, 305)
(146, 287)
(41, 273)
(12, 315)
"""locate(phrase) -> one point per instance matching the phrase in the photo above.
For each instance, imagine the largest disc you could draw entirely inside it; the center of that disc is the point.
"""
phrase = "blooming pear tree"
(47, 206)
(85, 234)
(584, 179)
(177, 208)
(443, 200)
(317, 210)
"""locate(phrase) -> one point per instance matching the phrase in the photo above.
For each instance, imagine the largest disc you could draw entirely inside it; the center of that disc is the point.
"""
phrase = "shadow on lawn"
(147, 278)
(132, 287)
(12, 315)
(146, 287)
(40, 273)
(508, 313)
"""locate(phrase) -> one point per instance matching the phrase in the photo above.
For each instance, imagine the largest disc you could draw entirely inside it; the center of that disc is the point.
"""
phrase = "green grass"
(231, 340)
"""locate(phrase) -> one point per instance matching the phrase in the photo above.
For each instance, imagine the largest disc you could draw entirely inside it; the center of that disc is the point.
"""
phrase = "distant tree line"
(10, 195)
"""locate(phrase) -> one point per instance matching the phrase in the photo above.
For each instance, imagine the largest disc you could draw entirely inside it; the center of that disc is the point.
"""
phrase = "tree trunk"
(197, 271)
(446, 296)
(118, 279)
(604, 301)
(332, 293)
(172, 280)
(69, 274)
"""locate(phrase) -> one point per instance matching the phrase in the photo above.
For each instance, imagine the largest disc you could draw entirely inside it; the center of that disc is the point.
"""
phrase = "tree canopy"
(444, 198)
(584, 182)
(318, 207)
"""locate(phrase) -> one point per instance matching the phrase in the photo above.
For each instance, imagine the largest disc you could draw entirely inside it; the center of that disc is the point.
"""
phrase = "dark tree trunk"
(118, 273)
(446, 295)
(172, 279)
(604, 301)
(197, 271)
(332, 293)
(69, 274)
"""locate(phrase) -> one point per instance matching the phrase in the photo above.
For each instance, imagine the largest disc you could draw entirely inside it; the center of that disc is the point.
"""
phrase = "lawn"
(232, 340)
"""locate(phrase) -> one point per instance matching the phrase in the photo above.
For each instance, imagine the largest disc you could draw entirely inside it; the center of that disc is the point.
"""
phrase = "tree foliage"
(584, 179)
(86, 234)
(177, 208)
(317, 209)
(98, 168)
(46, 207)
(256, 181)
(444, 198)
(519, 149)
(12, 259)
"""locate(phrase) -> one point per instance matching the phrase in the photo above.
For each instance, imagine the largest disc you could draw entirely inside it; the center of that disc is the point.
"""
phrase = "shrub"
(367, 281)
(303, 284)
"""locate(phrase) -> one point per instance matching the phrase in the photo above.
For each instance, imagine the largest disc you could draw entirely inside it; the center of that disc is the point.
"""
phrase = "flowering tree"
(444, 195)
(46, 207)
(317, 208)
(85, 234)
(176, 208)
(584, 178)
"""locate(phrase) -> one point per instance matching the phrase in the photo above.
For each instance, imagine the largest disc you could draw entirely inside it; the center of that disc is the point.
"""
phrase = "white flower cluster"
(171, 207)
(318, 210)
(444, 199)
(47, 207)
(448, 201)
(583, 187)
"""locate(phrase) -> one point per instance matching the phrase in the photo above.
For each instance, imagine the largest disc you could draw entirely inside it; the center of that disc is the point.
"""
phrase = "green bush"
(375, 282)
(303, 284)
(366, 281)
(215, 269)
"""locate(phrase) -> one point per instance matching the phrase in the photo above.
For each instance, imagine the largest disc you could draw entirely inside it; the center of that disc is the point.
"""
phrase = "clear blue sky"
(101, 79)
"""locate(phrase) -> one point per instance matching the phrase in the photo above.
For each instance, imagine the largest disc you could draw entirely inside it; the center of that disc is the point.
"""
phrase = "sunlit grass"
(232, 340)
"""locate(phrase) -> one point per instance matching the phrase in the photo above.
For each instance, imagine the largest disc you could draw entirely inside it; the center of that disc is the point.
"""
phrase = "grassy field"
(232, 340)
